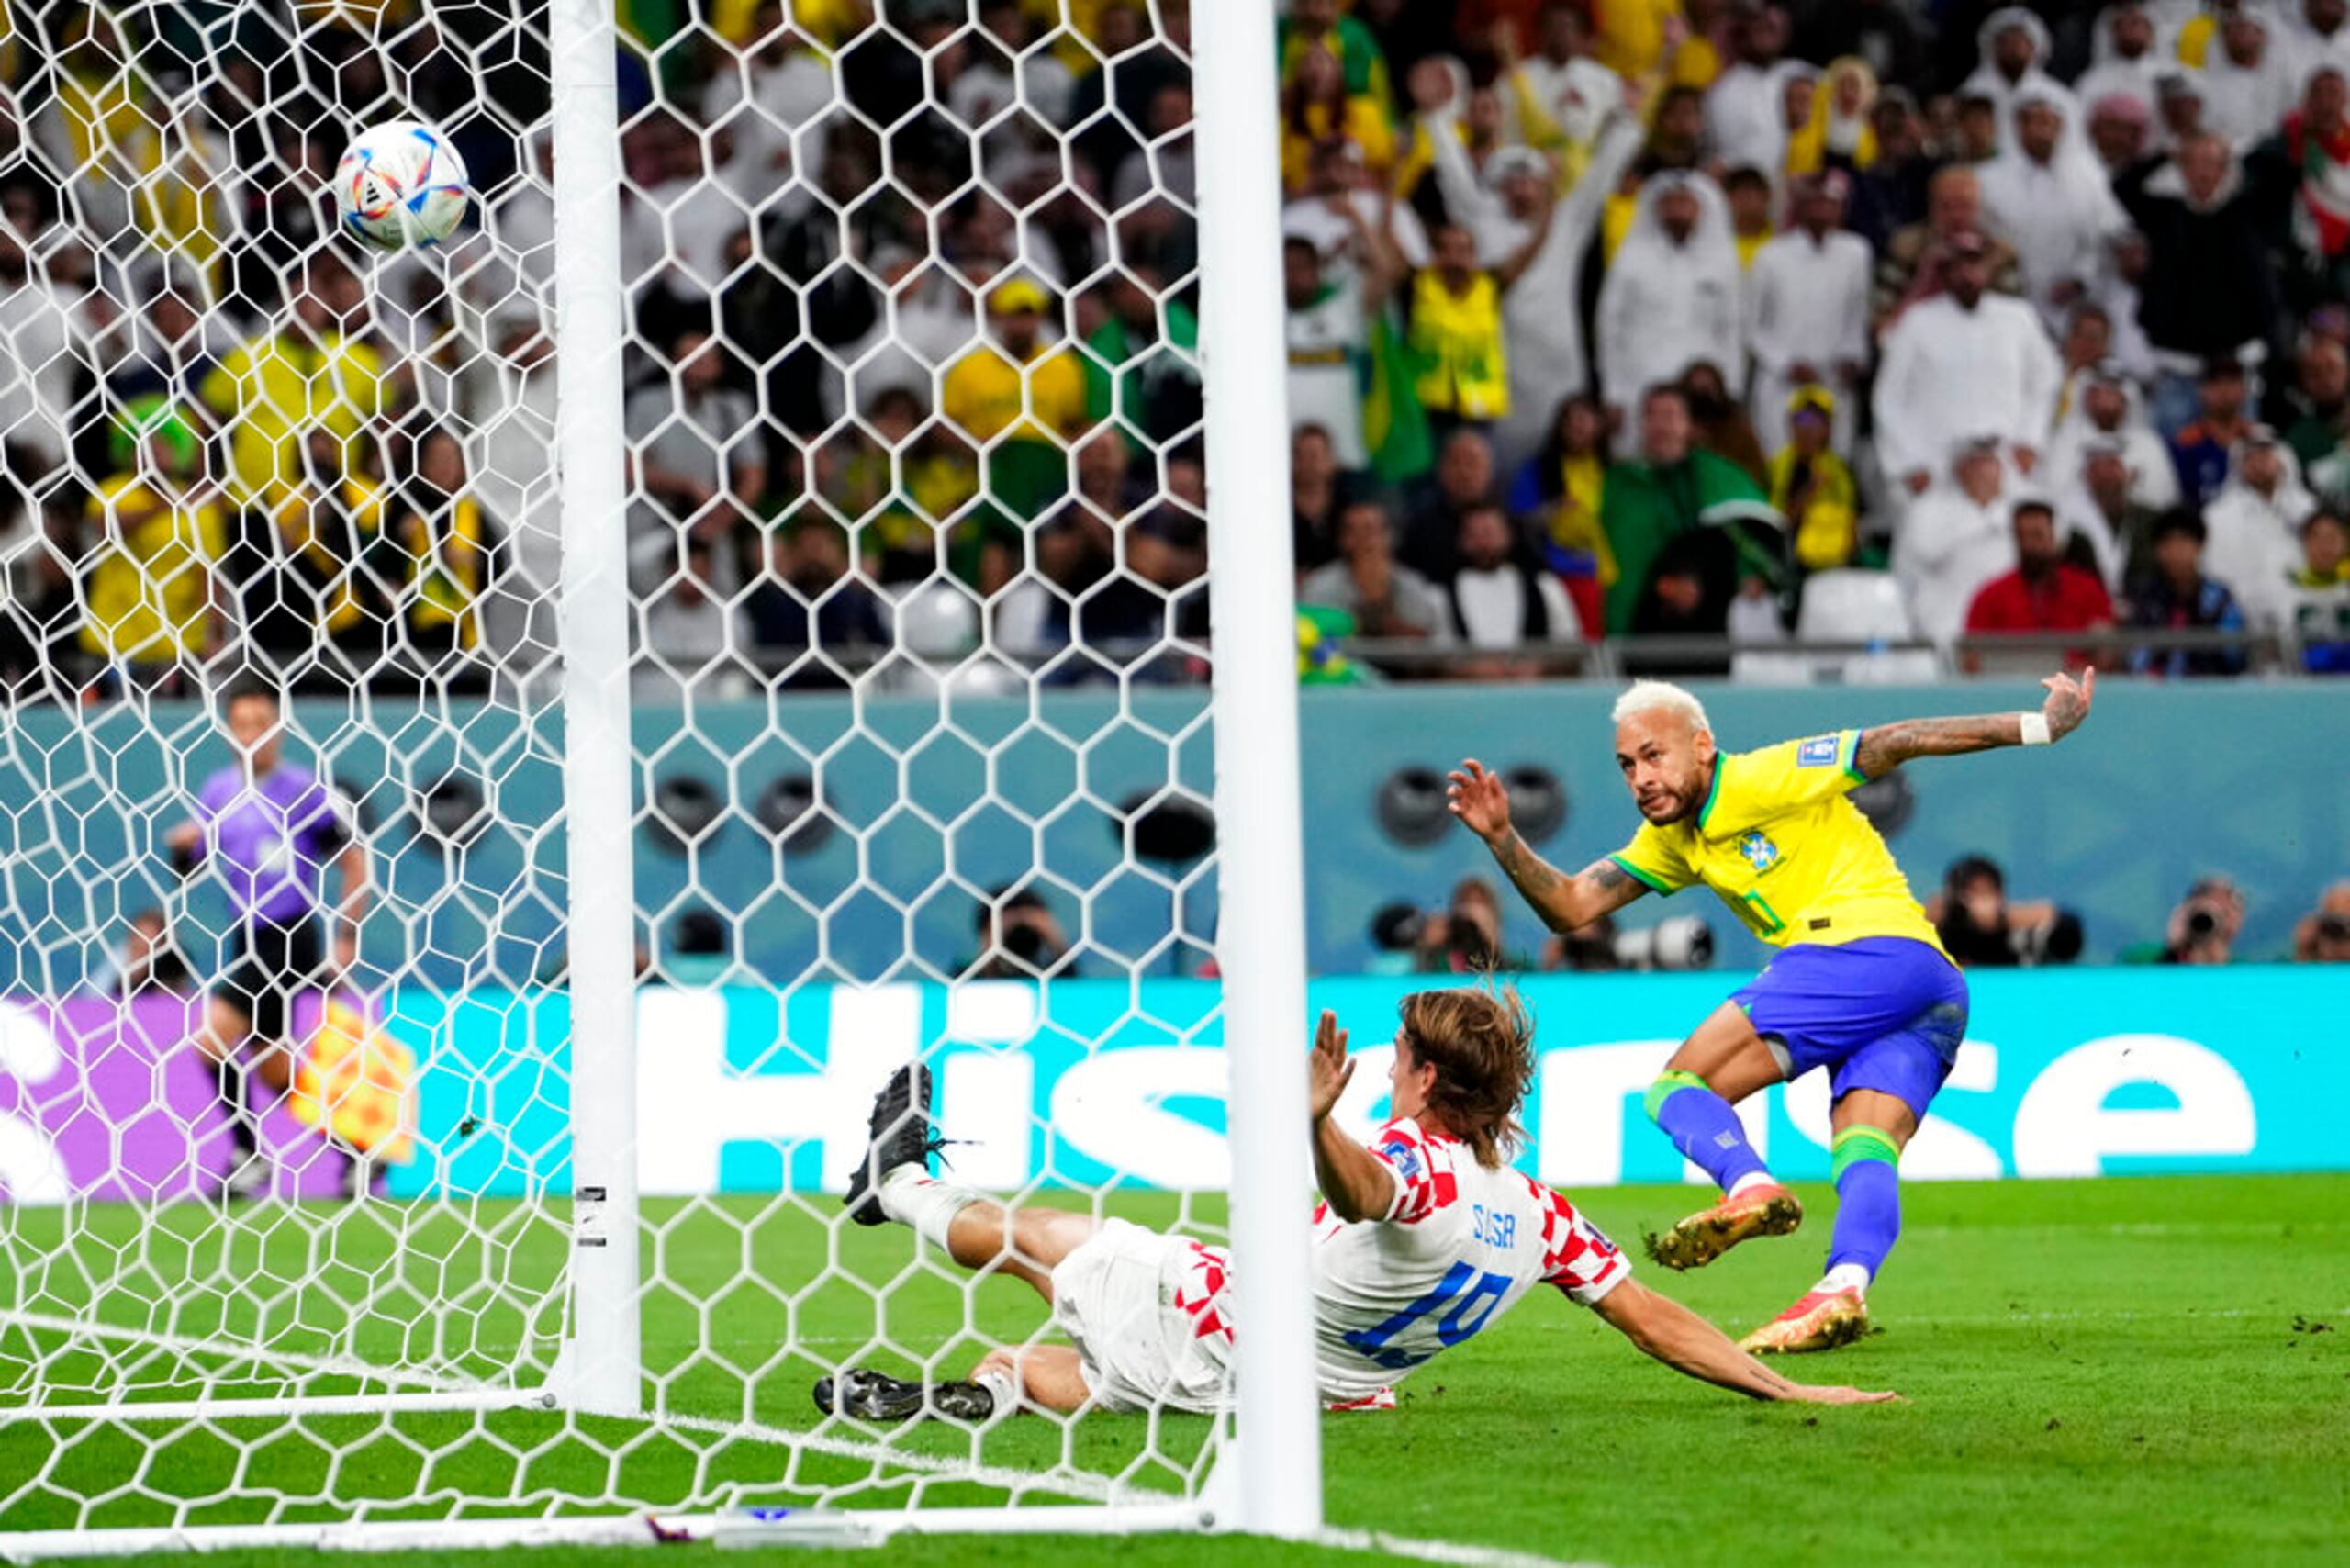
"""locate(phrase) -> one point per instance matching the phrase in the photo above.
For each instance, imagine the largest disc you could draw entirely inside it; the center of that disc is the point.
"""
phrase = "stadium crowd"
(1979, 924)
(1852, 321)
(1843, 320)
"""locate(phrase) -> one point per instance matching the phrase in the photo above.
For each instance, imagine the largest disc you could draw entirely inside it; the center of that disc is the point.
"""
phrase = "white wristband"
(2035, 729)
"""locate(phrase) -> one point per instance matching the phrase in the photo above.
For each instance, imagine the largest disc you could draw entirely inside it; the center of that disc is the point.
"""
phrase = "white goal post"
(535, 1330)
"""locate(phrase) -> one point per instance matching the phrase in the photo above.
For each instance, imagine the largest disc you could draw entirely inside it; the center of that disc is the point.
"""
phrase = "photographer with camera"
(1019, 939)
(1676, 943)
(2201, 930)
(1981, 929)
(2322, 936)
(1466, 939)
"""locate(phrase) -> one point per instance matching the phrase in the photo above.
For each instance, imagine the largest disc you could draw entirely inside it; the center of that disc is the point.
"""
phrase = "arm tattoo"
(1887, 746)
(1608, 875)
(1533, 877)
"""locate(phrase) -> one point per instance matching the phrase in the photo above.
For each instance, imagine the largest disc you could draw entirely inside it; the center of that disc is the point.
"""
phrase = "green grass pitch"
(2136, 1369)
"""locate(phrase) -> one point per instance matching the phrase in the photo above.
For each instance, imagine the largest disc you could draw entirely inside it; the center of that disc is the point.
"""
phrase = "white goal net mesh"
(916, 560)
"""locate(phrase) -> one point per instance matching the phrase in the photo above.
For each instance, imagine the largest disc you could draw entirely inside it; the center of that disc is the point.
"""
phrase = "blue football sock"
(1868, 1198)
(1703, 1128)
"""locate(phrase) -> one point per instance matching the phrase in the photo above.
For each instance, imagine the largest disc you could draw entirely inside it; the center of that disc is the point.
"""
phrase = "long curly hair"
(1480, 1041)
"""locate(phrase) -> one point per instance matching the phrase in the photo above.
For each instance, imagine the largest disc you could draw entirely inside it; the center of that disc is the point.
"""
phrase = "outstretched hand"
(2068, 703)
(1479, 799)
(1327, 1070)
(1807, 1393)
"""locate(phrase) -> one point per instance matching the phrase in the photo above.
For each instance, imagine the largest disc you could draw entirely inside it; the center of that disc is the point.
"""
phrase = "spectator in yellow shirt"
(326, 613)
(1811, 486)
(313, 372)
(1021, 400)
(1637, 39)
(443, 542)
(1315, 105)
(1750, 229)
(157, 530)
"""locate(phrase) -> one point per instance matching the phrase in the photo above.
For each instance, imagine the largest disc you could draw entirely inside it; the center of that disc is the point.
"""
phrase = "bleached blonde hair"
(1660, 696)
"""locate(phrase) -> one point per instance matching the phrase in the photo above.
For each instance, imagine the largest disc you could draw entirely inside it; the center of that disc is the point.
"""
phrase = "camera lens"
(1026, 943)
(2201, 923)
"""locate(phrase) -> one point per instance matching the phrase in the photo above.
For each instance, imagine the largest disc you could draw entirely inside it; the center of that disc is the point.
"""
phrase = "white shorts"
(1141, 1308)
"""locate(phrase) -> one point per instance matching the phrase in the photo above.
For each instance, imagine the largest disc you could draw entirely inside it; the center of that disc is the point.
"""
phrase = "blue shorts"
(1886, 1012)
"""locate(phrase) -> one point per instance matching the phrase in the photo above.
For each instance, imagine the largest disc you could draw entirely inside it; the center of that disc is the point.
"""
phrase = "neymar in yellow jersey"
(1860, 985)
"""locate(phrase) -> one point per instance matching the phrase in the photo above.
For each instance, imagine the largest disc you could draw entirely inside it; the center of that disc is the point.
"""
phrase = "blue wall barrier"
(741, 1091)
(2168, 782)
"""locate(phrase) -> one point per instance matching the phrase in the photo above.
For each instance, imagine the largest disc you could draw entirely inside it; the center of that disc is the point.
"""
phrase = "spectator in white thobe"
(1964, 363)
(2051, 204)
(1336, 169)
(2014, 45)
(1956, 537)
(2123, 60)
(1473, 186)
(1672, 293)
(46, 328)
(1808, 312)
(2247, 86)
(1576, 90)
(2108, 409)
(2255, 523)
(778, 95)
(2313, 33)
(1745, 108)
(1547, 361)
(506, 403)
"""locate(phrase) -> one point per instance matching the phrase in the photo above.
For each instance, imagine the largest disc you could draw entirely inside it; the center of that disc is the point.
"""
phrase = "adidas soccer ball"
(400, 183)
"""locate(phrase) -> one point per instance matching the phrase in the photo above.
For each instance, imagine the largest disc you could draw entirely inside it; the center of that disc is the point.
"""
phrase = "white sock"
(916, 1199)
(1750, 1180)
(1844, 1277)
(1001, 1386)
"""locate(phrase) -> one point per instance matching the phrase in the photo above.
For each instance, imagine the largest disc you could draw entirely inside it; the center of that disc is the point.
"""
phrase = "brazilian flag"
(1395, 426)
(1321, 660)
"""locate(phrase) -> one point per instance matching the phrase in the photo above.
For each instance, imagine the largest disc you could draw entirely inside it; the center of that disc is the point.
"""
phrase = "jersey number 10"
(1464, 1288)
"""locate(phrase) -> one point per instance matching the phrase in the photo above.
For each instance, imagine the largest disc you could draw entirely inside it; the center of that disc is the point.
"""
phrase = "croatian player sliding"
(1423, 1239)
(1860, 985)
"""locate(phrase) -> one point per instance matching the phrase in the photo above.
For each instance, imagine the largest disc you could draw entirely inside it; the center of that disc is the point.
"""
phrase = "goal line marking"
(1074, 1485)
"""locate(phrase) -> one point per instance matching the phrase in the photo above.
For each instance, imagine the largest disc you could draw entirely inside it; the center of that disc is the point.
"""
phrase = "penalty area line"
(1463, 1554)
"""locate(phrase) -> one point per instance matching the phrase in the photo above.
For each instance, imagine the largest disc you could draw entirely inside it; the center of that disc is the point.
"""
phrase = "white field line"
(238, 1350)
(1086, 1488)
(2182, 1314)
(1065, 1484)
(2135, 1227)
(1461, 1553)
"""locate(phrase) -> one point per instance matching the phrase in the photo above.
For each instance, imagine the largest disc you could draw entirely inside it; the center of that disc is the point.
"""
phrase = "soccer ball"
(400, 183)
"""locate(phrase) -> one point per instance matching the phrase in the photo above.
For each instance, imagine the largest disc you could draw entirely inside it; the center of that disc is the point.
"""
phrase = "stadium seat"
(1852, 605)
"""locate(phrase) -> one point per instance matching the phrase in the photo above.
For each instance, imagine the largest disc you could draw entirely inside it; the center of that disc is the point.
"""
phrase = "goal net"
(508, 746)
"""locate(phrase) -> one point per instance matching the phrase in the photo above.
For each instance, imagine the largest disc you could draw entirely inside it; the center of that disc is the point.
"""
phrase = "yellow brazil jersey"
(330, 536)
(1457, 342)
(986, 393)
(275, 388)
(149, 580)
(1786, 849)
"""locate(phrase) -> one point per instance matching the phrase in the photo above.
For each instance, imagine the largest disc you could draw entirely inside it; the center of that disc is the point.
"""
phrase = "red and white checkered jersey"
(1459, 1246)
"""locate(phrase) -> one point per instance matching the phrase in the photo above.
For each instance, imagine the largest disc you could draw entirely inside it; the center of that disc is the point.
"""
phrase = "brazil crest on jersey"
(1780, 840)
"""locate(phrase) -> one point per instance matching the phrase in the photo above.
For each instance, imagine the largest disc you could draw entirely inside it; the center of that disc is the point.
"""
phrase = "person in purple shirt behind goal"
(267, 829)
